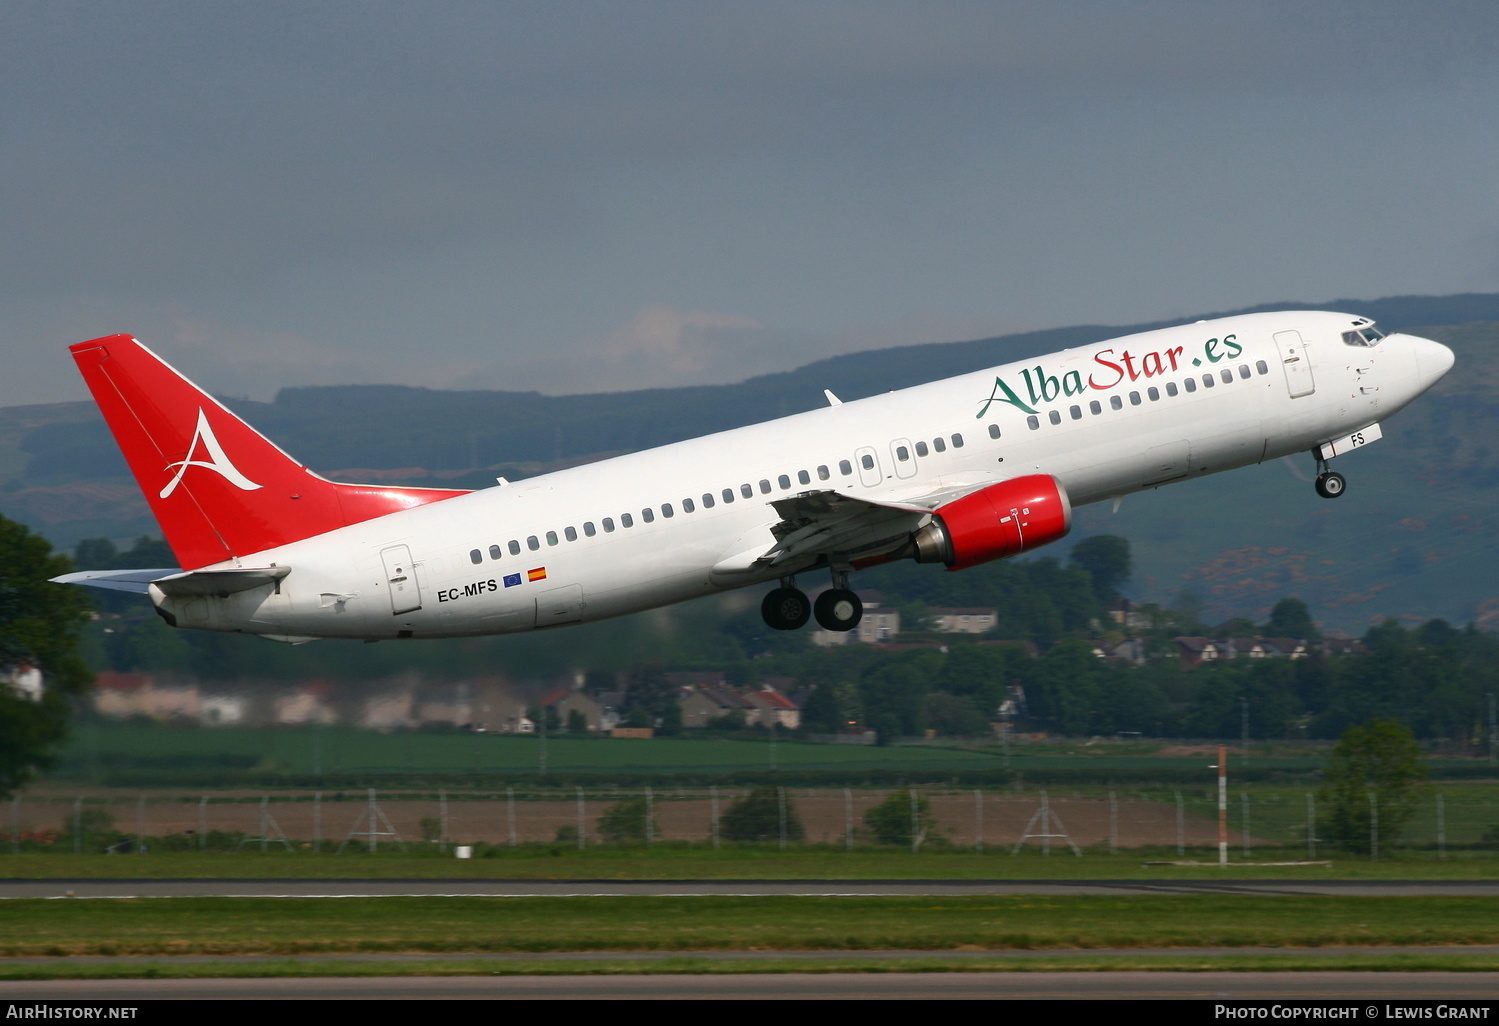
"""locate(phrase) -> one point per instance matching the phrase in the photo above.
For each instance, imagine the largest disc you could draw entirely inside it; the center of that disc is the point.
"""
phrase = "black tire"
(786, 609)
(838, 609)
(1331, 485)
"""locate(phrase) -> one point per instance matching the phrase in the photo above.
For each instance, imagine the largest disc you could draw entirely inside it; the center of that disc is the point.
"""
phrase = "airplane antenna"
(833, 400)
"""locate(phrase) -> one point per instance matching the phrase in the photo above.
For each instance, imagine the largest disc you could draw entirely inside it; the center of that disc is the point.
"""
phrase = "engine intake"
(1002, 520)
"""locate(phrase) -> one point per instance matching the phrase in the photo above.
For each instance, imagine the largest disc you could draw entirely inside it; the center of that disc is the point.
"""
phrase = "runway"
(344, 888)
(1363, 991)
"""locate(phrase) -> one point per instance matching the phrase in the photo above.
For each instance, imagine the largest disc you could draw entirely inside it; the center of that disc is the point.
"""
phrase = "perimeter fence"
(1264, 823)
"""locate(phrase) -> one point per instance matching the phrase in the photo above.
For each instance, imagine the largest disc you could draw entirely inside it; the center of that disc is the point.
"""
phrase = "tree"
(757, 817)
(1291, 619)
(624, 821)
(1379, 760)
(1106, 559)
(891, 820)
(40, 624)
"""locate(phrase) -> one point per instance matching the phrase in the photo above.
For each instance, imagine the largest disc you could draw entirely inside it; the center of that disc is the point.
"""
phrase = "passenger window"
(571, 534)
(902, 453)
(475, 556)
(1207, 381)
(1054, 417)
(688, 507)
(728, 495)
(1116, 403)
(746, 491)
(803, 477)
(993, 430)
(667, 511)
(1243, 370)
(608, 525)
(495, 552)
(1095, 407)
(1076, 412)
(514, 547)
(784, 482)
(1227, 376)
(533, 543)
(589, 529)
(1134, 398)
(1033, 422)
(551, 537)
(957, 441)
(1154, 394)
(708, 500)
(1262, 367)
(823, 473)
(1191, 384)
(866, 461)
(921, 449)
(648, 515)
(939, 445)
(764, 487)
(1171, 388)
(625, 520)
(845, 467)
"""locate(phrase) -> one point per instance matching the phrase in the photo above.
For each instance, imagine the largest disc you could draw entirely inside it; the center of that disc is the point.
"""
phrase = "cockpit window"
(1363, 337)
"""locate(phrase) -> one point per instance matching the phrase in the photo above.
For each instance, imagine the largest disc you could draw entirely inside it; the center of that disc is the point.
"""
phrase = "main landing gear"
(1330, 483)
(787, 608)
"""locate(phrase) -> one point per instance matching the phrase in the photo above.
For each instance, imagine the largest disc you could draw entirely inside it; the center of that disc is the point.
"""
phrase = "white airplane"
(958, 472)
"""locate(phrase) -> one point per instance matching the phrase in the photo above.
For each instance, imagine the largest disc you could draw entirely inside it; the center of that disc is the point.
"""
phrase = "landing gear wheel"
(1331, 484)
(838, 609)
(786, 609)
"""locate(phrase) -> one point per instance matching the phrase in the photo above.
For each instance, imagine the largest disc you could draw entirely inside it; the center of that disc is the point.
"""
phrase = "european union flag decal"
(511, 580)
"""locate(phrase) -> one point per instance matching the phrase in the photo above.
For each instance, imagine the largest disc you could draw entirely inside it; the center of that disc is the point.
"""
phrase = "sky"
(581, 197)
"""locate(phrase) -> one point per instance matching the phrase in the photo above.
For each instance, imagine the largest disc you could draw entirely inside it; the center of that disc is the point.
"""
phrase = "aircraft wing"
(841, 528)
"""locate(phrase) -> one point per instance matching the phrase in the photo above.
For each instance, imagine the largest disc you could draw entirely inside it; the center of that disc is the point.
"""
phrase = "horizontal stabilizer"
(135, 581)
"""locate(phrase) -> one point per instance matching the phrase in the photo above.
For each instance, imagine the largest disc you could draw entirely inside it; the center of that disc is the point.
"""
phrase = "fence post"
(1113, 824)
(510, 813)
(1244, 804)
(1311, 825)
(848, 820)
(15, 824)
(582, 821)
(140, 825)
(1373, 827)
(781, 808)
(713, 808)
(978, 821)
(650, 817)
(1441, 828)
(442, 807)
(317, 822)
(1181, 827)
(78, 825)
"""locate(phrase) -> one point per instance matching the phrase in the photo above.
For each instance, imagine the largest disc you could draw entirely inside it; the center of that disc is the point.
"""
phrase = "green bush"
(757, 817)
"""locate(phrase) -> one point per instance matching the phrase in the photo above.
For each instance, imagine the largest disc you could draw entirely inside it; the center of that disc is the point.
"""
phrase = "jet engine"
(1002, 520)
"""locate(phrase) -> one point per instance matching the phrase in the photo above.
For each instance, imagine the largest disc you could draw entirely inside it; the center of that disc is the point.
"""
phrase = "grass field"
(735, 862)
(291, 926)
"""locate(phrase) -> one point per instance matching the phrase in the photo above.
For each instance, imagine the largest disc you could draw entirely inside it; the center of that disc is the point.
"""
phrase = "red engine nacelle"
(1004, 519)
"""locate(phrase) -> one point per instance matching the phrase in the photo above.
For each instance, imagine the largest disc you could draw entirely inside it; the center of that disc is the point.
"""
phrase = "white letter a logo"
(217, 461)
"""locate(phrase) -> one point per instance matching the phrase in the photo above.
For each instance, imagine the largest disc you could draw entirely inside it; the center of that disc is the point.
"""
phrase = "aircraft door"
(903, 457)
(869, 466)
(405, 593)
(1298, 367)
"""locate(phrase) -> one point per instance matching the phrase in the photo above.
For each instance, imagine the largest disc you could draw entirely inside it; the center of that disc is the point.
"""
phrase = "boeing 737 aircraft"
(956, 472)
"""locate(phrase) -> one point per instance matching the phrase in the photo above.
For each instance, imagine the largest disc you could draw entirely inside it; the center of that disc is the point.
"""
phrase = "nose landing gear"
(1330, 483)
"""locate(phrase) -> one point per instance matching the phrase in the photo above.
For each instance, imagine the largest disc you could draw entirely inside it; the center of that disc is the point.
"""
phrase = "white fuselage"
(1104, 419)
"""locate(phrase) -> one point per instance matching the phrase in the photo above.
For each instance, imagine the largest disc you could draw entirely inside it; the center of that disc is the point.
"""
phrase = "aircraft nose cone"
(1433, 361)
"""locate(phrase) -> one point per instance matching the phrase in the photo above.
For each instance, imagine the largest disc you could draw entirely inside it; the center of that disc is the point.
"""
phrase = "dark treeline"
(1041, 657)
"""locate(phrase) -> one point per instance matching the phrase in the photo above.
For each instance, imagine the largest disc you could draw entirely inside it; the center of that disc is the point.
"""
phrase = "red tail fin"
(218, 488)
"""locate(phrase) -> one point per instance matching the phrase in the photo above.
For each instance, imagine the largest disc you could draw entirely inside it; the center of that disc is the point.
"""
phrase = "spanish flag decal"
(539, 574)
